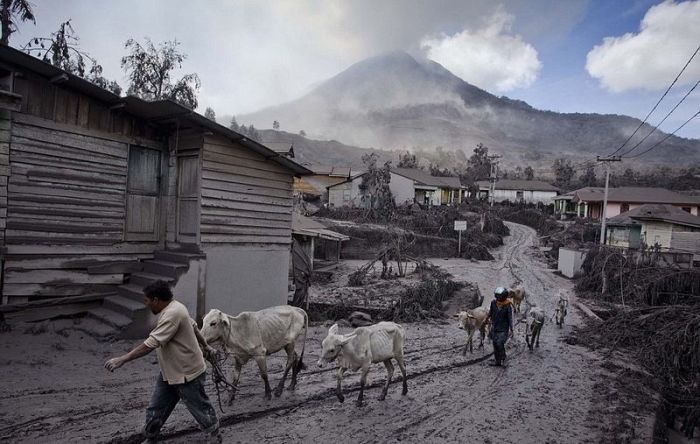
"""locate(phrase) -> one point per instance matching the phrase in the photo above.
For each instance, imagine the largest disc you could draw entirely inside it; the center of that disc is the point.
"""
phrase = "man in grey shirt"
(182, 367)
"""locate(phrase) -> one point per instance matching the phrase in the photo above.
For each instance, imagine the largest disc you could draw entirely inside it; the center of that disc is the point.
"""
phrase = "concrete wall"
(190, 288)
(657, 232)
(402, 189)
(245, 278)
(570, 262)
(345, 194)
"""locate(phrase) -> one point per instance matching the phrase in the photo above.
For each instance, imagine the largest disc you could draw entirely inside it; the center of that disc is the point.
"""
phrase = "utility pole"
(493, 177)
(606, 162)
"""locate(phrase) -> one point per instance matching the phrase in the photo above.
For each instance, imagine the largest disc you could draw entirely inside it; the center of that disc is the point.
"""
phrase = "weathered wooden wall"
(66, 194)
(246, 199)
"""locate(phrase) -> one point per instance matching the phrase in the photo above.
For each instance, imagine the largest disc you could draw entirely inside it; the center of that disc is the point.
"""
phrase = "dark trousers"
(499, 345)
(165, 398)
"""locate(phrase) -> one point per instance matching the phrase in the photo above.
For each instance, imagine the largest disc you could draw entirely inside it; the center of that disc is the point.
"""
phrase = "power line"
(665, 138)
(662, 120)
(657, 103)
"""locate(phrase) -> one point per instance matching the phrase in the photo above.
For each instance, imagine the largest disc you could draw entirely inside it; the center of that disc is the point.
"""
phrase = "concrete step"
(109, 317)
(96, 328)
(165, 268)
(176, 256)
(144, 278)
(131, 291)
(125, 306)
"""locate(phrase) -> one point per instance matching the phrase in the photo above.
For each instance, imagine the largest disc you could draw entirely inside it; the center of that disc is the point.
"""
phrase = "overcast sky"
(569, 56)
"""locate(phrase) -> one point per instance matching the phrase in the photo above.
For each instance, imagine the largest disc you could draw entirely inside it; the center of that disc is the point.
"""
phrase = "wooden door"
(143, 194)
(188, 199)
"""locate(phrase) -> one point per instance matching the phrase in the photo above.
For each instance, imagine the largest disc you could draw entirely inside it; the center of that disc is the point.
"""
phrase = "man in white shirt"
(182, 368)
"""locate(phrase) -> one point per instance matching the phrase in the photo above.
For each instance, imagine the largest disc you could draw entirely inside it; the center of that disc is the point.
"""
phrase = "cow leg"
(235, 377)
(539, 330)
(290, 362)
(389, 373)
(482, 334)
(363, 381)
(339, 386)
(262, 365)
(296, 367)
(402, 367)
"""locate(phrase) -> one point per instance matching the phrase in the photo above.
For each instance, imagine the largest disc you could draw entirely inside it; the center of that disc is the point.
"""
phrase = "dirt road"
(545, 396)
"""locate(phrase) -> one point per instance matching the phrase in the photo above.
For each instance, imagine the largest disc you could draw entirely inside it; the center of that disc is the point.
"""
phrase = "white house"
(407, 185)
(530, 191)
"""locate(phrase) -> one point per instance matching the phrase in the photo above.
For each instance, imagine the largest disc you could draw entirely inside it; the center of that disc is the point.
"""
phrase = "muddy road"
(544, 396)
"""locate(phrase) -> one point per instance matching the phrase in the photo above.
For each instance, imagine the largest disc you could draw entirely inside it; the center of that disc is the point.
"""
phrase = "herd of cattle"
(254, 335)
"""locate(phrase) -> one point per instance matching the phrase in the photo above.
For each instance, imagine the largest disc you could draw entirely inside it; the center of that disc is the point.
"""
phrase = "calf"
(471, 321)
(561, 309)
(517, 295)
(256, 334)
(534, 327)
(380, 342)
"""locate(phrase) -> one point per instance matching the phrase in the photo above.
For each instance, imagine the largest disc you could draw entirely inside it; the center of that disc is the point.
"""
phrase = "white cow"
(471, 321)
(256, 334)
(561, 310)
(534, 325)
(517, 296)
(366, 345)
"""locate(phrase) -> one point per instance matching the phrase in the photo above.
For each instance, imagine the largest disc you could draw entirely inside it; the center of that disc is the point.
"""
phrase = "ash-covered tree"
(302, 133)
(407, 160)
(374, 187)
(479, 164)
(529, 173)
(275, 125)
(210, 114)
(588, 179)
(10, 12)
(149, 69)
(62, 50)
(233, 126)
(563, 173)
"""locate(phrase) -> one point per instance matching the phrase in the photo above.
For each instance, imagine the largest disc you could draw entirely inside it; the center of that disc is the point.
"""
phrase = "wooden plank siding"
(5, 131)
(66, 208)
(245, 198)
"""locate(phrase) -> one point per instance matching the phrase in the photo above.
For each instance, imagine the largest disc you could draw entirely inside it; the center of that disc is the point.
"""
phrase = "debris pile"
(654, 312)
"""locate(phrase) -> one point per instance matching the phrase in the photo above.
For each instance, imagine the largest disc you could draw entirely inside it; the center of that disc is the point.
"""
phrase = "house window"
(624, 207)
(686, 209)
(346, 196)
(519, 195)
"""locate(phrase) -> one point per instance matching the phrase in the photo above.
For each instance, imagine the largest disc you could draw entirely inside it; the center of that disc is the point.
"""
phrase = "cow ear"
(347, 338)
(333, 330)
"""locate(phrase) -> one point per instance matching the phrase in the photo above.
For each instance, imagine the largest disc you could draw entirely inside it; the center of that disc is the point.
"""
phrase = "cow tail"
(300, 363)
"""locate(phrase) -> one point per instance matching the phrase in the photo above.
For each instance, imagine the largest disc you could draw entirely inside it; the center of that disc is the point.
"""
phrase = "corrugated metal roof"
(305, 226)
(424, 178)
(643, 195)
(147, 110)
(656, 212)
(519, 185)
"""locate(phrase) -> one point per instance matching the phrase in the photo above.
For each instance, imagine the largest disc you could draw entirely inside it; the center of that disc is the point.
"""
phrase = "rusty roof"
(424, 178)
(642, 195)
(520, 185)
(658, 213)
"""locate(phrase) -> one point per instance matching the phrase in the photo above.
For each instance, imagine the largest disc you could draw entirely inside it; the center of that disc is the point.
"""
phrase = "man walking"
(182, 368)
(501, 316)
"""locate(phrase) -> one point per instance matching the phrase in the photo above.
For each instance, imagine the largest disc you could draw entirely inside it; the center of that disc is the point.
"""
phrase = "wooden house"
(101, 195)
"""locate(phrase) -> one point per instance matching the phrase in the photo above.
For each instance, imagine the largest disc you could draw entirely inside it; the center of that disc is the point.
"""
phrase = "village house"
(316, 184)
(666, 226)
(588, 202)
(407, 185)
(101, 195)
(528, 191)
